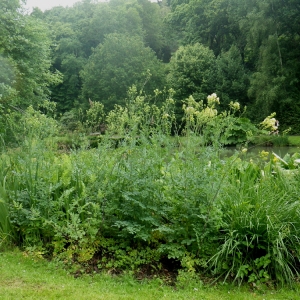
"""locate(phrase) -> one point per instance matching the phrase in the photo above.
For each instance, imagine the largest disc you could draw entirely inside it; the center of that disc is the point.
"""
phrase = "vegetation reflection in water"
(254, 151)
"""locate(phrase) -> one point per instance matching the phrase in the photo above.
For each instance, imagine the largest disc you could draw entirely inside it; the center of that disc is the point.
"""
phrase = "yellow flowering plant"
(140, 115)
(269, 123)
(223, 128)
(198, 114)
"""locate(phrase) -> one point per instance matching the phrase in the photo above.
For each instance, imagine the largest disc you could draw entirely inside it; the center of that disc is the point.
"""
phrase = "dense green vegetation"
(144, 201)
(244, 51)
(112, 152)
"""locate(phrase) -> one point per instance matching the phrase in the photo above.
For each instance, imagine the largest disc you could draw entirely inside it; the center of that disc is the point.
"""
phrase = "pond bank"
(276, 140)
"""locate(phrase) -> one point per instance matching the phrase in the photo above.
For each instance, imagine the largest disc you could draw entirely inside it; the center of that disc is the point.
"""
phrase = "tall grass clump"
(260, 227)
(6, 231)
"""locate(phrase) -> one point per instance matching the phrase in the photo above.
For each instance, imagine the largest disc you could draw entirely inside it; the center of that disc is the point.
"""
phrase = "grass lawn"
(23, 277)
(294, 140)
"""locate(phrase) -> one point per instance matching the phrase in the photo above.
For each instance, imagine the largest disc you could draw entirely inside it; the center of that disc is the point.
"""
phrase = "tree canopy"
(243, 50)
(25, 49)
(120, 62)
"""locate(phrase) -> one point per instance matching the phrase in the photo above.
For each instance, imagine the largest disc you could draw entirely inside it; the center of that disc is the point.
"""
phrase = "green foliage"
(232, 80)
(95, 116)
(139, 116)
(253, 42)
(245, 51)
(260, 225)
(115, 65)
(25, 77)
(7, 76)
(239, 131)
(281, 140)
(192, 71)
(214, 127)
(7, 126)
(269, 40)
(78, 31)
(38, 125)
(68, 57)
(120, 255)
(154, 197)
(25, 45)
(211, 23)
(6, 234)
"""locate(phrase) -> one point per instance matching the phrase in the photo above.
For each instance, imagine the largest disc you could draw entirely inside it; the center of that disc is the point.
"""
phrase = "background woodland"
(243, 50)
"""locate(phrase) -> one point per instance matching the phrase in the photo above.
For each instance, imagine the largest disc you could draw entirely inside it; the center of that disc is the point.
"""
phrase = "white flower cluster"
(269, 123)
(197, 114)
(212, 100)
(234, 105)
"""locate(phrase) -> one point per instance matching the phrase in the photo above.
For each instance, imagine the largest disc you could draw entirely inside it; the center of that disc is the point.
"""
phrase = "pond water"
(255, 150)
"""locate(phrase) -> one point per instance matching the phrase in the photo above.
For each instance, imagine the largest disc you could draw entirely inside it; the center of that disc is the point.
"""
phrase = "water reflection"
(255, 150)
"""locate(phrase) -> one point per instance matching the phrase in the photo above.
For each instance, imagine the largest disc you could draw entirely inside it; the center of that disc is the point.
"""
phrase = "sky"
(47, 4)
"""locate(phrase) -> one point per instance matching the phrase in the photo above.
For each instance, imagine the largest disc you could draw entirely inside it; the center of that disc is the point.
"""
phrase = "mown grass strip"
(23, 277)
(294, 140)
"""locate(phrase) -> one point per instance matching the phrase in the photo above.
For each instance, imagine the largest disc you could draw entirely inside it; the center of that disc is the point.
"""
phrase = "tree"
(191, 72)
(273, 40)
(152, 24)
(69, 59)
(8, 13)
(204, 21)
(139, 17)
(232, 80)
(25, 44)
(117, 64)
(80, 29)
(7, 78)
(108, 18)
(25, 77)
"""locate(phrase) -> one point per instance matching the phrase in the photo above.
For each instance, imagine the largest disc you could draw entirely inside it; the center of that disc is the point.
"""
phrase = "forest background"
(245, 51)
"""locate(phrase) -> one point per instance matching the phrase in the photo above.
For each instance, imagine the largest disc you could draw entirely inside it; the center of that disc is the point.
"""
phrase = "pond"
(255, 150)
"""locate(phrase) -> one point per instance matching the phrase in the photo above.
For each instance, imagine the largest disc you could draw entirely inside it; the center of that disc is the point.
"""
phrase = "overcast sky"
(47, 4)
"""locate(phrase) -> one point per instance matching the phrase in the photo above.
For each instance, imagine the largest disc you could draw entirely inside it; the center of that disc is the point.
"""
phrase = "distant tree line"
(243, 50)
